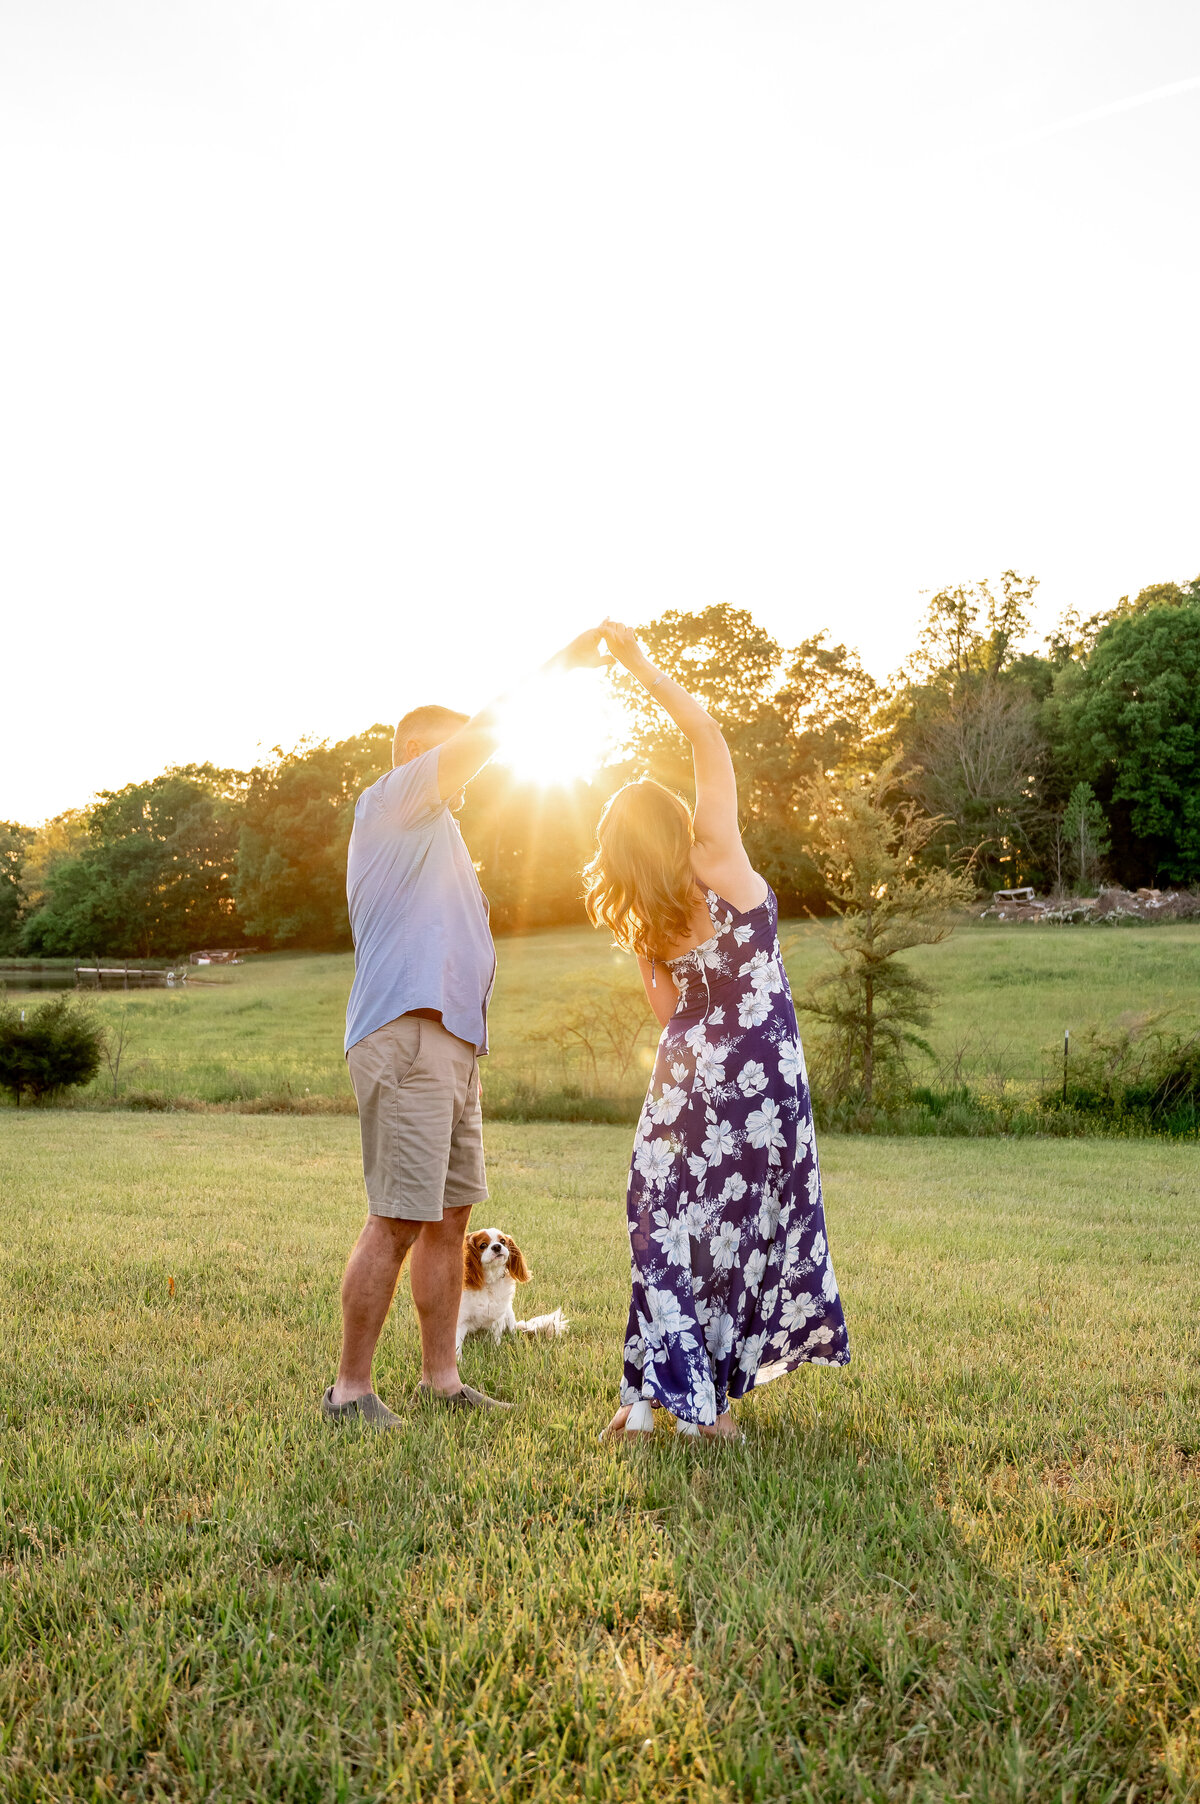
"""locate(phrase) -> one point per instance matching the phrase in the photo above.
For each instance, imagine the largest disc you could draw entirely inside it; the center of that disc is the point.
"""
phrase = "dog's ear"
(517, 1267)
(472, 1263)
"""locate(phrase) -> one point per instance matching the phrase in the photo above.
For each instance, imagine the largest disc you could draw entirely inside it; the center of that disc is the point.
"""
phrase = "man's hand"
(583, 653)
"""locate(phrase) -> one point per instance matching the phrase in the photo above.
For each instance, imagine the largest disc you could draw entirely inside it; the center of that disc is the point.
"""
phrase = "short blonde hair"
(430, 722)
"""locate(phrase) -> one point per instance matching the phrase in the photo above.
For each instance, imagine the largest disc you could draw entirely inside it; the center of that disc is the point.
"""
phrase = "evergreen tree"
(1085, 835)
(868, 839)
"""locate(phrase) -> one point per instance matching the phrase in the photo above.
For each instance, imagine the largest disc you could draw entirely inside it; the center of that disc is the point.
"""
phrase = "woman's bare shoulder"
(735, 880)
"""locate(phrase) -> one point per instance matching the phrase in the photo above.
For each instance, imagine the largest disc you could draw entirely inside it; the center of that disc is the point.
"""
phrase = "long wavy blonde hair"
(640, 882)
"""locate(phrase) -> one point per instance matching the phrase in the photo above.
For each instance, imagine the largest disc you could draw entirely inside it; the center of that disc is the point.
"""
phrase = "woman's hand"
(622, 642)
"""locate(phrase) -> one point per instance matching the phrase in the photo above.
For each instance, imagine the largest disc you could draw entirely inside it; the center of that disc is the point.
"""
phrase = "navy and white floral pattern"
(732, 1280)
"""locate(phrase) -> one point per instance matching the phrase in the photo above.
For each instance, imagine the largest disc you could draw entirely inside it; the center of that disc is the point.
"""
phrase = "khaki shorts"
(417, 1086)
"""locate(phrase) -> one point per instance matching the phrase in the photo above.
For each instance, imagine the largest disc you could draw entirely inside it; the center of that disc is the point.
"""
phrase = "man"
(416, 1027)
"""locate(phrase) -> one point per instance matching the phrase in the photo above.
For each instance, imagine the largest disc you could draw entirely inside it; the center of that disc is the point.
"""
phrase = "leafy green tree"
(529, 843)
(14, 843)
(294, 827)
(1085, 835)
(1074, 637)
(153, 876)
(722, 655)
(967, 714)
(1127, 720)
(784, 715)
(829, 700)
(972, 630)
(48, 845)
(868, 839)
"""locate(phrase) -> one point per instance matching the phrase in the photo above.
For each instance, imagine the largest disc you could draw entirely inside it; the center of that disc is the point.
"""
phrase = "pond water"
(13, 979)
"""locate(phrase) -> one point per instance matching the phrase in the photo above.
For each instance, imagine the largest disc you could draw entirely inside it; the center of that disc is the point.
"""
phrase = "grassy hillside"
(273, 1027)
(965, 1567)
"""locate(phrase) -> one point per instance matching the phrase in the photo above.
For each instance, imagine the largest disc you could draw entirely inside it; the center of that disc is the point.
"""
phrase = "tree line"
(1051, 765)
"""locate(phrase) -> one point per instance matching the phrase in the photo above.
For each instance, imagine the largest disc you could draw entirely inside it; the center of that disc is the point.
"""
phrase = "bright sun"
(561, 729)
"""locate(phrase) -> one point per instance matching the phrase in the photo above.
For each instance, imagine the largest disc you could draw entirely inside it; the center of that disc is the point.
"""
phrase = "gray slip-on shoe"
(369, 1411)
(464, 1399)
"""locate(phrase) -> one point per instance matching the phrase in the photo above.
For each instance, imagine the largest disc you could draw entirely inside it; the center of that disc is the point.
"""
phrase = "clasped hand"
(622, 642)
(584, 653)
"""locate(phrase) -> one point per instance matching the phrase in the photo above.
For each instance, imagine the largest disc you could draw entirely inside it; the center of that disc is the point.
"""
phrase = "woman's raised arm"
(716, 818)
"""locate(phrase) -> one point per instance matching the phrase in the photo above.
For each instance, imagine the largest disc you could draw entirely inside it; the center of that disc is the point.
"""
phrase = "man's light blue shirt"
(417, 914)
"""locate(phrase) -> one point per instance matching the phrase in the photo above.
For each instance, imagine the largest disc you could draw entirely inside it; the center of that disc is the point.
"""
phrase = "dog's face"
(488, 1255)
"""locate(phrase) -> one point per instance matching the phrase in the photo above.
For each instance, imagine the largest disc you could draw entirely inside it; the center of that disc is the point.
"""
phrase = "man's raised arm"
(465, 753)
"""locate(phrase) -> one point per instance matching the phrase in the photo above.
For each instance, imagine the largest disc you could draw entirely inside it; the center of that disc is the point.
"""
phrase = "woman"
(732, 1281)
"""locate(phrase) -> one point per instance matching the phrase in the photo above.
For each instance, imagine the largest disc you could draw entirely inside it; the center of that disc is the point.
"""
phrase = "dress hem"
(785, 1368)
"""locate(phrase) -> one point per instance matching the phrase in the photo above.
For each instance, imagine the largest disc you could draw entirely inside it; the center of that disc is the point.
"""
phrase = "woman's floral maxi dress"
(732, 1279)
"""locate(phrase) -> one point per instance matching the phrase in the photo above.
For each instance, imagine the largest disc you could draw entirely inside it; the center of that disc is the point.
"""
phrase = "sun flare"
(560, 731)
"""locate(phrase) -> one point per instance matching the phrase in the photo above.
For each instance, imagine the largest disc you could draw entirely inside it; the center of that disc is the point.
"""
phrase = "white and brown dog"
(493, 1266)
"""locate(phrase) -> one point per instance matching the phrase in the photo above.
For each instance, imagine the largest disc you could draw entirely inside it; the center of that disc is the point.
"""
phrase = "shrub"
(1145, 1070)
(58, 1045)
(596, 1028)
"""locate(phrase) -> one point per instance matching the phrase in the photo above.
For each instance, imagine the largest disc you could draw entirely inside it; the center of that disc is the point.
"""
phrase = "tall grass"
(267, 1035)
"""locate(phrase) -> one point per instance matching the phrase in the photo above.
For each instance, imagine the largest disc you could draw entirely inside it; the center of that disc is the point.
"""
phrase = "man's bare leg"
(367, 1291)
(436, 1275)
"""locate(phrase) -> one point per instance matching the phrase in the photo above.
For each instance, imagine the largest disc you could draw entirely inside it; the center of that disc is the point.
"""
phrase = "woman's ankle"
(723, 1429)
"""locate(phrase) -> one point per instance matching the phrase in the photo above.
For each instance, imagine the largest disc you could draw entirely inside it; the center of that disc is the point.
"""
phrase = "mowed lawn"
(968, 1567)
(273, 1026)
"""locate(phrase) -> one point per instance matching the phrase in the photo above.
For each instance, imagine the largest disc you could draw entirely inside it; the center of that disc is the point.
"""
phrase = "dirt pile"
(1108, 909)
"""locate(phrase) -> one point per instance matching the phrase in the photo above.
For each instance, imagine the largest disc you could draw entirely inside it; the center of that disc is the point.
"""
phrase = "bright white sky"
(354, 355)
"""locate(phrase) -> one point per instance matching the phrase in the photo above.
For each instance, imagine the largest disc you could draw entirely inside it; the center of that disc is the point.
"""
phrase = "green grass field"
(272, 1028)
(968, 1567)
